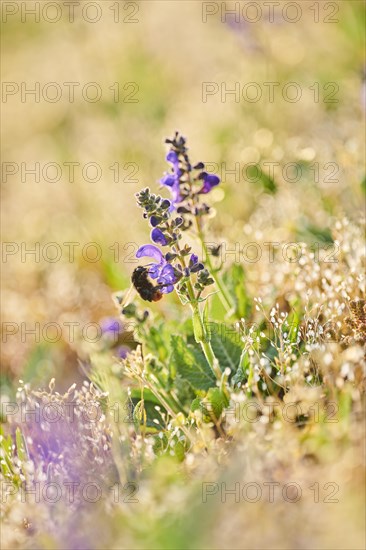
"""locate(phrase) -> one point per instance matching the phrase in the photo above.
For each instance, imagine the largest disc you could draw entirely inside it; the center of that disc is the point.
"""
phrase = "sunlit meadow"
(183, 275)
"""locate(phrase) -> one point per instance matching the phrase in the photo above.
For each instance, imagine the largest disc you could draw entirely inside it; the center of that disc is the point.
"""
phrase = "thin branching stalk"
(223, 292)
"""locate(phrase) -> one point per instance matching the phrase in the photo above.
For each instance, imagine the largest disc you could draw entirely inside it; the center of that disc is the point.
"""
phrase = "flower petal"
(193, 259)
(209, 181)
(197, 267)
(176, 196)
(167, 275)
(122, 351)
(168, 180)
(212, 179)
(150, 251)
(111, 326)
(167, 289)
(154, 271)
(172, 157)
(154, 221)
(158, 237)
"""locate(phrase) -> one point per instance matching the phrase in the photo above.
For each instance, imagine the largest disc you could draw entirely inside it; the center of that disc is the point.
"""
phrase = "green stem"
(211, 359)
(168, 408)
(200, 332)
(201, 337)
(223, 294)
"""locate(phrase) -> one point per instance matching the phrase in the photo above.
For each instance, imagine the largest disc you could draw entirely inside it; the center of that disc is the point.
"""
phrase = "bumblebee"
(146, 289)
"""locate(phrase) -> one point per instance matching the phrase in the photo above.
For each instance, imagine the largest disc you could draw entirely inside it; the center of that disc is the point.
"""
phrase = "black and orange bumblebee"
(146, 289)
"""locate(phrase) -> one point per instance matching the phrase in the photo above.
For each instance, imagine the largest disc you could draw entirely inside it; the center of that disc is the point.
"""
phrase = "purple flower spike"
(158, 237)
(209, 181)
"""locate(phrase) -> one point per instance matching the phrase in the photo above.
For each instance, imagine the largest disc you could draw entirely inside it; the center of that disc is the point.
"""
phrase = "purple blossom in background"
(161, 270)
(122, 352)
(70, 440)
(111, 327)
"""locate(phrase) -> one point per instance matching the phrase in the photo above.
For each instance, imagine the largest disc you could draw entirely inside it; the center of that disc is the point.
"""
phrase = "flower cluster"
(187, 182)
(169, 218)
(165, 274)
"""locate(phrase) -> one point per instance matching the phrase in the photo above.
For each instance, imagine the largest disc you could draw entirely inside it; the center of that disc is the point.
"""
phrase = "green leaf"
(196, 404)
(205, 314)
(363, 185)
(235, 280)
(215, 402)
(160, 443)
(113, 275)
(40, 364)
(179, 450)
(198, 329)
(191, 364)
(292, 327)
(226, 346)
(21, 447)
(184, 391)
(241, 374)
(139, 415)
(158, 341)
(255, 172)
(311, 233)
(6, 461)
(148, 396)
(150, 413)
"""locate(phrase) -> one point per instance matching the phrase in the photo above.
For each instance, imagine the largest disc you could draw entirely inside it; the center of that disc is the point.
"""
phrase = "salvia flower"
(172, 180)
(194, 264)
(209, 181)
(158, 237)
(187, 183)
(161, 270)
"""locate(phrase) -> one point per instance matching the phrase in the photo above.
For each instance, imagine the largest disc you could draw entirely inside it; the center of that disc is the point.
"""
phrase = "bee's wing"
(122, 299)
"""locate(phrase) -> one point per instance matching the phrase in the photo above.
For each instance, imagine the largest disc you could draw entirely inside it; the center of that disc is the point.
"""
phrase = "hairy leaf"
(191, 364)
(225, 343)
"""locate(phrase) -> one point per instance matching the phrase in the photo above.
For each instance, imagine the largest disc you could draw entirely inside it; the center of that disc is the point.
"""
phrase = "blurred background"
(109, 84)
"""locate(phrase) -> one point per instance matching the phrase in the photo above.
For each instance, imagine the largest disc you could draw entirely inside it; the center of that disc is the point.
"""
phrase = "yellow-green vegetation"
(228, 413)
